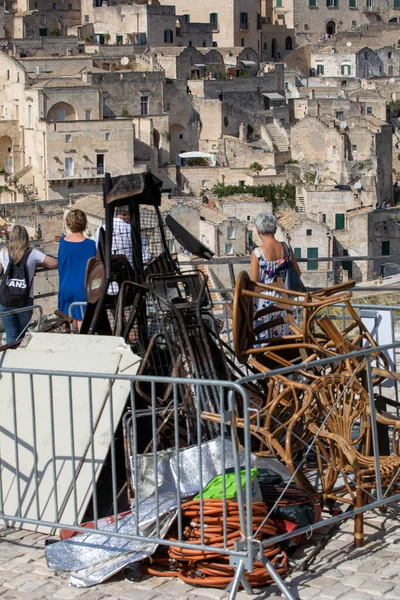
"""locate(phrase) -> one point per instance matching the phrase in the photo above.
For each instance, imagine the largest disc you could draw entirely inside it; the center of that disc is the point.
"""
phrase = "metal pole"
(374, 430)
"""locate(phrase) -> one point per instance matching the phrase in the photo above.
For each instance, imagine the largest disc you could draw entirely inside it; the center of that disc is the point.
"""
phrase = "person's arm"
(50, 262)
(254, 267)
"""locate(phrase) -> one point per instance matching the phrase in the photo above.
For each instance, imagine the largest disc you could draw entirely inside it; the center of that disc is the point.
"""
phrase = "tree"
(256, 167)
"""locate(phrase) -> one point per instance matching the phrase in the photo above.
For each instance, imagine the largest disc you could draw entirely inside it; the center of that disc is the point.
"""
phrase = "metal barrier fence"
(16, 311)
(59, 429)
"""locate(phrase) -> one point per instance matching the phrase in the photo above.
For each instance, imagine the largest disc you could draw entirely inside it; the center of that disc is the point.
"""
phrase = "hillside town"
(229, 105)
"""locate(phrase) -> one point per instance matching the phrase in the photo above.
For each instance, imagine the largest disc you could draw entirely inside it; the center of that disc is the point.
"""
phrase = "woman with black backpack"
(18, 263)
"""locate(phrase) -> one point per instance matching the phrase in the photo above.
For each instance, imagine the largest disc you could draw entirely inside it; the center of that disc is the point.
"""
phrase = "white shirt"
(35, 258)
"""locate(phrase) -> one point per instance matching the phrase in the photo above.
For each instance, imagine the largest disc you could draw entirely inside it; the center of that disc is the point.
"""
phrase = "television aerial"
(124, 61)
(348, 44)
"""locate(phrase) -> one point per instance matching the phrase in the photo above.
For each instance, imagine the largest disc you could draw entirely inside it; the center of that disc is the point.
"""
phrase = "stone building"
(39, 18)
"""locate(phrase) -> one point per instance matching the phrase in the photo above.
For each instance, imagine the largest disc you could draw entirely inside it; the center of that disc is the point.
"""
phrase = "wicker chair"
(339, 418)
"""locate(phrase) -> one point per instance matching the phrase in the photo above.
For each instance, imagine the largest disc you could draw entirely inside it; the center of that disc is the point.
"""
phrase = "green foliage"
(394, 106)
(107, 37)
(198, 161)
(292, 161)
(256, 167)
(55, 32)
(277, 194)
(167, 136)
(125, 112)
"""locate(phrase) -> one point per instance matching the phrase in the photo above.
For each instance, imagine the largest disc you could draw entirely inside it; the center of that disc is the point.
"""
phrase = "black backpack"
(15, 285)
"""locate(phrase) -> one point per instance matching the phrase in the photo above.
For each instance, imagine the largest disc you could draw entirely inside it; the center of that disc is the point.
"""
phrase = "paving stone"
(336, 590)
(68, 593)
(354, 580)
(32, 585)
(209, 593)
(376, 587)
(15, 583)
(138, 594)
(320, 582)
(175, 588)
(373, 566)
(354, 595)
(306, 593)
(394, 594)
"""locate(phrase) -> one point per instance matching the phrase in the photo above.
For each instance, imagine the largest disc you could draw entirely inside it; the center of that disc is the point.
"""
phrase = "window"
(123, 18)
(312, 3)
(144, 105)
(100, 164)
(396, 4)
(16, 112)
(248, 217)
(309, 232)
(297, 253)
(230, 233)
(69, 167)
(332, 3)
(339, 221)
(168, 36)
(324, 218)
(88, 114)
(54, 6)
(214, 44)
(278, 3)
(228, 248)
(29, 116)
(369, 110)
(259, 21)
(386, 248)
(190, 43)
(242, 183)
(345, 70)
(333, 150)
(181, 136)
(107, 136)
(265, 45)
(186, 18)
(242, 42)
(320, 69)
(306, 27)
(244, 21)
(204, 183)
(354, 148)
(8, 75)
(339, 115)
(214, 20)
(68, 137)
(390, 70)
(69, 6)
(312, 265)
(204, 43)
(42, 19)
(389, 55)
(120, 39)
(86, 19)
(352, 3)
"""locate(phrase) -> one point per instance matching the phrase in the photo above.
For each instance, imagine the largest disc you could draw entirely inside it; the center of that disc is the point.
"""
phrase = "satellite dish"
(343, 124)
(357, 185)
(14, 6)
(348, 44)
(124, 61)
(392, 80)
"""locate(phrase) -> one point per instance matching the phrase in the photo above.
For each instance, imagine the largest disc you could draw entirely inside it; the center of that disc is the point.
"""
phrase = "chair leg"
(359, 520)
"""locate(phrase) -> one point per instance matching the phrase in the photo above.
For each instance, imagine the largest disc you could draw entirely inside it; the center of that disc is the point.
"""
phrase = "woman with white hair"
(269, 263)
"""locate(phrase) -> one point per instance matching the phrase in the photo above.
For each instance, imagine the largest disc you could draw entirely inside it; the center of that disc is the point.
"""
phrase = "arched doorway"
(289, 43)
(274, 48)
(331, 28)
(61, 111)
(6, 159)
(393, 20)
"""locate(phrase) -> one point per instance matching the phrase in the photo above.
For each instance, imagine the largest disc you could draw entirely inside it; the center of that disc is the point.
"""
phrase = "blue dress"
(72, 261)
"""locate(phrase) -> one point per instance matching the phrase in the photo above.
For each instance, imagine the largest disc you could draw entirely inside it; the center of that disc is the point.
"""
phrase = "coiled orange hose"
(210, 569)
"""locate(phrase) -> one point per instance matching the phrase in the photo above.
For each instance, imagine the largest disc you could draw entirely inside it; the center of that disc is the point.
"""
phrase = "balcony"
(72, 175)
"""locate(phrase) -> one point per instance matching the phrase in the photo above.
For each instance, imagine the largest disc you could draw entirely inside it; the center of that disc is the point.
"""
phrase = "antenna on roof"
(124, 61)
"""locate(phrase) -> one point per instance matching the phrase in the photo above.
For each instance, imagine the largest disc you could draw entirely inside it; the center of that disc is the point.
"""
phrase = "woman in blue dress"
(73, 254)
(268, 263)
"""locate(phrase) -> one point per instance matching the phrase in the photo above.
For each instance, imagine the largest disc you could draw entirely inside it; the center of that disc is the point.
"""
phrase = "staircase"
(301, 204)
(278, 139)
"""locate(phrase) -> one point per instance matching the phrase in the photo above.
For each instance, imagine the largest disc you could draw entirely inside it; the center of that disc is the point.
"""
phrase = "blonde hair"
(19, 243)
(76, 221)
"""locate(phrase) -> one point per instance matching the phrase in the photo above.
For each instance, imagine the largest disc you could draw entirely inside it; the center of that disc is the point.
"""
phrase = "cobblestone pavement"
(340, 571)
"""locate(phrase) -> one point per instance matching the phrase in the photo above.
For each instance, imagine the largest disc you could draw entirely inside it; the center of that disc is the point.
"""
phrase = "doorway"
(331, 28)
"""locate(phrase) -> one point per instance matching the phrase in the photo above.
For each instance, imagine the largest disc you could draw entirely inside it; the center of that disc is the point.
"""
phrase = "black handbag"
(292, 280)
